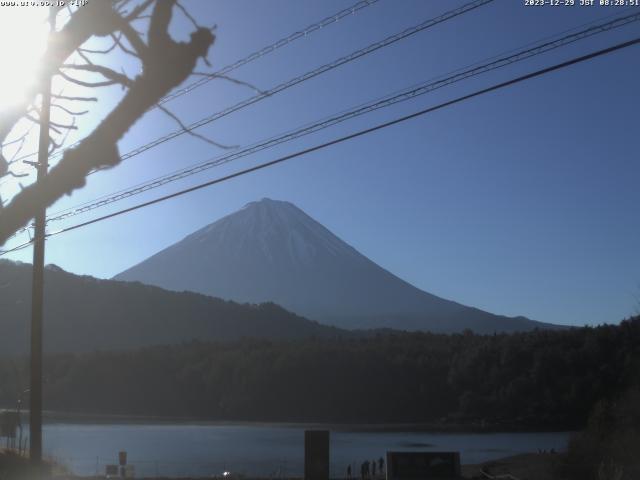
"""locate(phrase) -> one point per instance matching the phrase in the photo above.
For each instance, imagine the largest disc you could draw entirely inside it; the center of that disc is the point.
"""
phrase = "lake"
(259, 450)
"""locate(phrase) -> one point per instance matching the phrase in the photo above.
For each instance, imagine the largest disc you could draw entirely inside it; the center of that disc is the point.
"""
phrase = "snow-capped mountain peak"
(270, 250)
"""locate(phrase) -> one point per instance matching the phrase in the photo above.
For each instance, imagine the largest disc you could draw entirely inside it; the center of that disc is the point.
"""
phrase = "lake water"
(260, 450)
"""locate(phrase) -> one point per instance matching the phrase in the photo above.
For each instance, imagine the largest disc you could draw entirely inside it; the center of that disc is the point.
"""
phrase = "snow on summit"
(271, 251)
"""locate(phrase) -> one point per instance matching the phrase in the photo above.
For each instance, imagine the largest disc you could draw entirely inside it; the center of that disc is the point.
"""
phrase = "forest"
(124, 315)
(544, 379)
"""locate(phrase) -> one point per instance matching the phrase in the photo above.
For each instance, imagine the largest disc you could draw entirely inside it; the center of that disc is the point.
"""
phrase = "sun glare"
(23, 34)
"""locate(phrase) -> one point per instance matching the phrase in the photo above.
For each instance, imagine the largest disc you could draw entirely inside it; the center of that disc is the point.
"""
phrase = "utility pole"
(37, 286)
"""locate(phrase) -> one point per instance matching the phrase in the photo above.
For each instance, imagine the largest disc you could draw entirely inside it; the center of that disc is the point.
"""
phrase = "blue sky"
(520, 202)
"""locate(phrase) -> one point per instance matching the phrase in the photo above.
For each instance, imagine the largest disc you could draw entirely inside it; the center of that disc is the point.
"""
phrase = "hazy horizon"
(520, 202)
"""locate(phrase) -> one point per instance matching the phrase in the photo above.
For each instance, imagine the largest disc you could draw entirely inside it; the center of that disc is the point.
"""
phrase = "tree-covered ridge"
(541, 379)
(84, 313)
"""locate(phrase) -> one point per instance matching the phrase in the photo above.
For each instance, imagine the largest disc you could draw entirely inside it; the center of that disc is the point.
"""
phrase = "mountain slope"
(272, 251)
(84, 313)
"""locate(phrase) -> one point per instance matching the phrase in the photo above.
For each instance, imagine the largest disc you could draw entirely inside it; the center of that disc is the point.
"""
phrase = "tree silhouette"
(165, 64)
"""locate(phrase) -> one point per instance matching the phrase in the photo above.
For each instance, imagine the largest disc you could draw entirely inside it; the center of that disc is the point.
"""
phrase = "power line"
(271, 48)
(16, 248)
(360, 133)
(254, 56)
(307, 76)
(389, 100)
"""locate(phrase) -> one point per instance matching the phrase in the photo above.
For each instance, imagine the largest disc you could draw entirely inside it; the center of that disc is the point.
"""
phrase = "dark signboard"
(423, 465)
(111, 470)
(316, 454)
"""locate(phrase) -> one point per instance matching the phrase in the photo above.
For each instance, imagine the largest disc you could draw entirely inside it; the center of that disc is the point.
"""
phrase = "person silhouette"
(349, 471)
(381, 465)
(373, 469)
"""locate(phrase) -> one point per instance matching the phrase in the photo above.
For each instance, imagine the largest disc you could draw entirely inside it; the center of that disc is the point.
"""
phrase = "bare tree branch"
(17, 175)
(106, 72)
(187, 14)
(55, 145)
(136, 12)
(166, 64)
(63, 126)
(97, 52)
(121, 5)
(19, 149)
(96, 18)
(230, 79)
(140, 17)
(134, 39)
(36, 121)
(70, 112)
(19, 139)
(56, 127)
(84, 56)
(124, 48)
(22, 158)
(188, 131)
(82, 83)
(75, 99)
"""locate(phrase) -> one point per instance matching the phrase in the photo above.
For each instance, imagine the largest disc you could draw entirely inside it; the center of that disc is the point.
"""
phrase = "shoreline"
(52, 417)
(541, 466)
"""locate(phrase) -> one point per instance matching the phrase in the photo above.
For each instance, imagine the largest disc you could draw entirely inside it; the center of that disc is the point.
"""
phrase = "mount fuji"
(271, 251)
